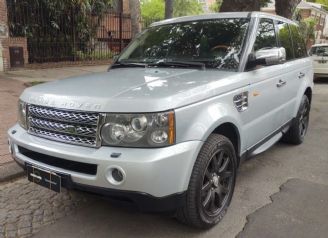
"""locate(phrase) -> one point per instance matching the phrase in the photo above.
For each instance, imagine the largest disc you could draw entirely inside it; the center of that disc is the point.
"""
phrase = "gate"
(58, 30)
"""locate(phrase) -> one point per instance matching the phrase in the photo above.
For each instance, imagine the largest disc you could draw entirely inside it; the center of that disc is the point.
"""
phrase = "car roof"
(212, 16)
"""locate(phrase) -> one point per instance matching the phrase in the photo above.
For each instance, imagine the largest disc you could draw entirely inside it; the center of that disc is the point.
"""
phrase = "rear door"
(295, 69)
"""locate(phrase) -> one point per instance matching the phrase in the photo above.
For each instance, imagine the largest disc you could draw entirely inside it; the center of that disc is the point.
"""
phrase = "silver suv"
(177, 112)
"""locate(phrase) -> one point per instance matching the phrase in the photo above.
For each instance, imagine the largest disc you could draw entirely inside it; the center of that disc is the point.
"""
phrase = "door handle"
(281, 83)
(301, 75)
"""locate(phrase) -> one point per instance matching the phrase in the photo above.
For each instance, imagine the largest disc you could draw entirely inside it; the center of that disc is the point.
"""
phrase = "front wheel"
(211, 184)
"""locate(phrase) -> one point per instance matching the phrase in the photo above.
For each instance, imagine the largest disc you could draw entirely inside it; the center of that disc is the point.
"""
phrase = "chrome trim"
(241, 101)
(63, 127)
(64, 115)
(68, 126)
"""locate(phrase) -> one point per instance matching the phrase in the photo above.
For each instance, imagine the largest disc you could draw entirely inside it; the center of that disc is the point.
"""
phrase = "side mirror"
(272, 56)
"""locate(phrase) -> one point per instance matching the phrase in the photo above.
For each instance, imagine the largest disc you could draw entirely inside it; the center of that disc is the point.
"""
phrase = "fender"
(204, 117)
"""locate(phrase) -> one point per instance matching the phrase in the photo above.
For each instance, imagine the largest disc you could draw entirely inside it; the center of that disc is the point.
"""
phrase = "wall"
(3, 32)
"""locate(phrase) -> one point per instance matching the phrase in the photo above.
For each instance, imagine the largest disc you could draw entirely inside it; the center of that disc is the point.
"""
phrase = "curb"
(10, 170)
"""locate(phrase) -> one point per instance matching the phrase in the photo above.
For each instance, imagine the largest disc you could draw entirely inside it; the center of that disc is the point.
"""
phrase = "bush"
(94, 55)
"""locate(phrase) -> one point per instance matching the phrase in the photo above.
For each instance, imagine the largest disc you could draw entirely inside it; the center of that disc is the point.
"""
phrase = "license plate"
(44, 178)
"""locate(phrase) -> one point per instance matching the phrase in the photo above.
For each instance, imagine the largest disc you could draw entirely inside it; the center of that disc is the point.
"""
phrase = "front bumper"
(157, 173)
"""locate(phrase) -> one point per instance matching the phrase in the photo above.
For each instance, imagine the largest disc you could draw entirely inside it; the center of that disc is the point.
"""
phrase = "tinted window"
(319, 50)
(299, 45)
(266, 36)
(285, 39)
(217, 43)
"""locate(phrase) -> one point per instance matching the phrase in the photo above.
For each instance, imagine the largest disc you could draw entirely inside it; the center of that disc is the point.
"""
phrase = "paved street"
(298, 170)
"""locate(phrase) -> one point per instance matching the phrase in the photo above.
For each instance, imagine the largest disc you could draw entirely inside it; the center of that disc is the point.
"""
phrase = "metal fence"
(69, 33)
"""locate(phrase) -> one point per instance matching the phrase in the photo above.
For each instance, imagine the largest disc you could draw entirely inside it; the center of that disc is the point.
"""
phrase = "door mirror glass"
(271, 56)
(267, 57)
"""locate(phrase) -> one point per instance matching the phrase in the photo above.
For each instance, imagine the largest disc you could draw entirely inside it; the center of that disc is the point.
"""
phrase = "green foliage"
(152, 9)
(264, 3)
(70, 24)
(186, 7)
(94, 55)
(33, 83)
(323, 2)
(215, 7)
(307, 27)
(155, 9)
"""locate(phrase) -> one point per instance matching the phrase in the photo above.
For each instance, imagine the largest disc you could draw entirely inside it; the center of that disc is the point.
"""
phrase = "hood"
(131, 89)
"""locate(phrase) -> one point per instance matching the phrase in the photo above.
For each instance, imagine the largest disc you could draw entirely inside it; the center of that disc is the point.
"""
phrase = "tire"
(297, 131)
(211, 184)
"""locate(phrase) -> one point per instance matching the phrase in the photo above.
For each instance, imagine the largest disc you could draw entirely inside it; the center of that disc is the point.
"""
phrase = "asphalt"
(304, 217)
(280, 193)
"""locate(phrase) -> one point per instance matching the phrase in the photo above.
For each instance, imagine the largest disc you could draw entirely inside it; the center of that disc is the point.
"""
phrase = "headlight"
(139, 130)
(22, 114)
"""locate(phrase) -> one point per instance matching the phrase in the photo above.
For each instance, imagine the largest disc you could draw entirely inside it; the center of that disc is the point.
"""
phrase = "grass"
(33, 83)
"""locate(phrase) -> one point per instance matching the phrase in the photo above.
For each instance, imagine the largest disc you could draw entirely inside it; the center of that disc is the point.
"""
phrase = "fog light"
(115, 175)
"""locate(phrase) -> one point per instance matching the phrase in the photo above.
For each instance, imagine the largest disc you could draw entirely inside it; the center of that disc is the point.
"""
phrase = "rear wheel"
(298, 129)
(211, 184)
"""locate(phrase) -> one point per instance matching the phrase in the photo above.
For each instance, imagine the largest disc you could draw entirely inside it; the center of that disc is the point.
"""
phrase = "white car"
(319, 55)
(168, 125)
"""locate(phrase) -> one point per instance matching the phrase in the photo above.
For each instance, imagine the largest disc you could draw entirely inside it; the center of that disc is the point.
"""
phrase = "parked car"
(177, 112)
(319, 54)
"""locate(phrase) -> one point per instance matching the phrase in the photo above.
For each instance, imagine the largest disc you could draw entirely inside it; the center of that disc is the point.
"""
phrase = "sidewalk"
(9, 93)
(12, 84)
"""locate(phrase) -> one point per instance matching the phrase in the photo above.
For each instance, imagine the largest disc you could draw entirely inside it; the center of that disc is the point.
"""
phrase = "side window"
(285, 39)
(298, 42)
(266, 36)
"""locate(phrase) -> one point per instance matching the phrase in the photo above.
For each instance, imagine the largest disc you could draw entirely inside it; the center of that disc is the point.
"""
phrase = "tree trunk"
(135, 17)
(168, 9)
(240, 5)
(286, 8)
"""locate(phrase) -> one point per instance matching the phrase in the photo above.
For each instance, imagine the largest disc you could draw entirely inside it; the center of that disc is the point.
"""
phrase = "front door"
(264, 114)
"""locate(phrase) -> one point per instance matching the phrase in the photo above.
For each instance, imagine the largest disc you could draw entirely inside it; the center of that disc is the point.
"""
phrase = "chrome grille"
(72, 127)
(62, 115)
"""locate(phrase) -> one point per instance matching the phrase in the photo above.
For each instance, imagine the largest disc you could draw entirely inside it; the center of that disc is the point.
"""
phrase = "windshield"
(319, 50)
(214, 43)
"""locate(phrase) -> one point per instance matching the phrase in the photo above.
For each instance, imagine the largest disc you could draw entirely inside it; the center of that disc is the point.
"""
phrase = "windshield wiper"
(127, 64)
(178, 64)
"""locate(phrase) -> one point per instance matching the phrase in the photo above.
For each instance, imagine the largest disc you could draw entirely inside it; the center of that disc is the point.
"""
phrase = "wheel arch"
(308, 93)
(230, 131)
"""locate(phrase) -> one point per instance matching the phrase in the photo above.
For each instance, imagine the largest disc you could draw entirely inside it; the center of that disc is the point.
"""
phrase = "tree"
(307, 27)
(135, 17)
(215, 7)
(155, 9)
(323, 2)
(168, 9)
(286, 8)
(186, 7)
(240, 5)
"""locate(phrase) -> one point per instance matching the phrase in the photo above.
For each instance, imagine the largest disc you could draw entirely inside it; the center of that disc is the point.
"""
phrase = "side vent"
(241, 101)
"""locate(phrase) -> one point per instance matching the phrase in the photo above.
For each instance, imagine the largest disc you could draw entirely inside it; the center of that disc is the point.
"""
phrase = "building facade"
(314, 10)
(14, 51)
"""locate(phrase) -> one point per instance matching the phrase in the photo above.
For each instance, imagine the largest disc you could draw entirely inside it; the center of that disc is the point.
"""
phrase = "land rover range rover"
(169, 123)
